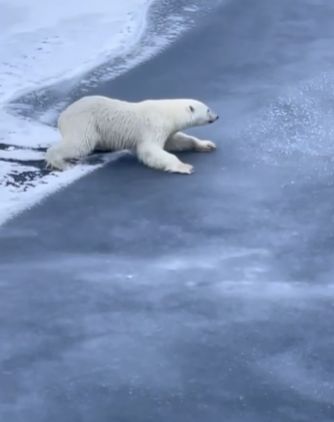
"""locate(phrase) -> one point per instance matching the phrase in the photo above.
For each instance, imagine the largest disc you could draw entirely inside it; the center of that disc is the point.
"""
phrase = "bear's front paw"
(183, 168)
(205, 146)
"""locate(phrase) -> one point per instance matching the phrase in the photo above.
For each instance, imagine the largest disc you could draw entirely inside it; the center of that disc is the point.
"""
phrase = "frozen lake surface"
(134, 295)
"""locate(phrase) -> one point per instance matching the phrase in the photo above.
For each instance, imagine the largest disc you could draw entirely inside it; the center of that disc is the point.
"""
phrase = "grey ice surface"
(137, 296)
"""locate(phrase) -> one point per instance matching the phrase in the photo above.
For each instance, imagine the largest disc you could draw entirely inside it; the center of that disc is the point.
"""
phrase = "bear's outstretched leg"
(182, 142)
(57, 155)
(154, 156)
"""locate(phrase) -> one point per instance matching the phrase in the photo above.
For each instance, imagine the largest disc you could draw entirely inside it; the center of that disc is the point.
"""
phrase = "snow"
(42, 43)
(16, 198)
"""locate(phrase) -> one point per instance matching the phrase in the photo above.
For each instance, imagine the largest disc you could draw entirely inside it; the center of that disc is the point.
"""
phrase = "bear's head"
(179, 114)
(200, 113)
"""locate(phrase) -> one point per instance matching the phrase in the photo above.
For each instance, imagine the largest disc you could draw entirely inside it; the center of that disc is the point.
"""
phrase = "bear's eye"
(191, 108)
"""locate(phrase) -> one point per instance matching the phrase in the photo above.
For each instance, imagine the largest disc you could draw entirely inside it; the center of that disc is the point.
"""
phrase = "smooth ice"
(134, 295)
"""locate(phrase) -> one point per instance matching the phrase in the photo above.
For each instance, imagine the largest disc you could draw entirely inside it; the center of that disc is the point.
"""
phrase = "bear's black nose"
(214, 119)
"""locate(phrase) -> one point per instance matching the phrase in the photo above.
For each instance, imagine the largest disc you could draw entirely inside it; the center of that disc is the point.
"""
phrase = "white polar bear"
(149, 128)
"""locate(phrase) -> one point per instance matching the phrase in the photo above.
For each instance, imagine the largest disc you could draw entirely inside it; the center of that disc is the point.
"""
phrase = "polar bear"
(150, 128)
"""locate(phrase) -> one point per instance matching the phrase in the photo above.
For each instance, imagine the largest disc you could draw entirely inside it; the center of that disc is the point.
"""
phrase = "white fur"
(149, 128)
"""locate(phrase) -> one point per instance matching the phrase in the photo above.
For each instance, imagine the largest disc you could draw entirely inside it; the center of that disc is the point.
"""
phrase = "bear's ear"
(191, 108)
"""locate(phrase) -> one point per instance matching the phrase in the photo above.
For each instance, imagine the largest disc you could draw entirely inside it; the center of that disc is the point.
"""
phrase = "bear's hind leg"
(154, 156)
(57, 155)
(182, 142)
